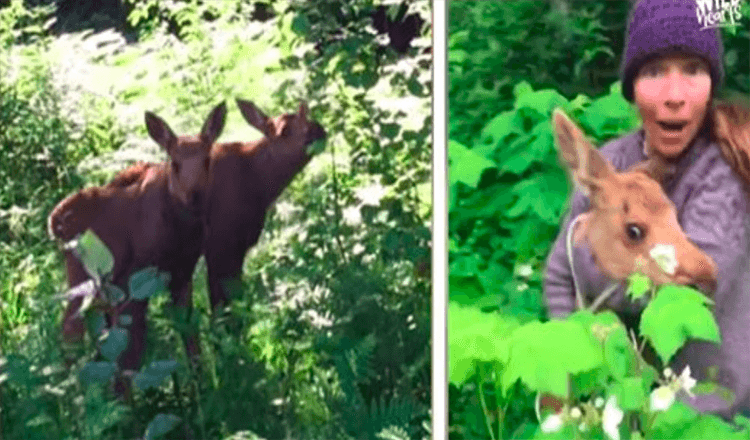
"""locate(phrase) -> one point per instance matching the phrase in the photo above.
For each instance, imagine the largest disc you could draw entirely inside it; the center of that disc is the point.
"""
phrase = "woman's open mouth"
(673, 127)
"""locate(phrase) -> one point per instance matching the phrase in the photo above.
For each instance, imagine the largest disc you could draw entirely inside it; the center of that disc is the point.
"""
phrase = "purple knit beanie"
(658, 27)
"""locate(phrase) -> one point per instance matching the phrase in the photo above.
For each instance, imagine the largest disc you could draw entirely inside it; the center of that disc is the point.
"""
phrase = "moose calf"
(149, 215)
(245, 178)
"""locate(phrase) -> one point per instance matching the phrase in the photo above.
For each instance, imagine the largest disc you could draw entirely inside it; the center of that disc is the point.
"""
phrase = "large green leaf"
(540, 355)
(94, 254)
(676, 314)
(475, 336)
(465, 165)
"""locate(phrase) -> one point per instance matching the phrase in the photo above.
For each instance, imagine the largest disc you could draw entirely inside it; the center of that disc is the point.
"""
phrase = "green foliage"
(147, 282)
(21, 24)
(334, 304)
(162, 424)
(182, 16)
(94, 255)
(585, 356)
(668, 306)
(492, 46)
(507, 198)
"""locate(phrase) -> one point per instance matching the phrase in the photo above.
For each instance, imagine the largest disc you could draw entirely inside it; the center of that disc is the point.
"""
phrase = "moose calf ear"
(160, 131)
(584, 161)
(303, 110)
(214, 125)
(565, 139)
(253, 115)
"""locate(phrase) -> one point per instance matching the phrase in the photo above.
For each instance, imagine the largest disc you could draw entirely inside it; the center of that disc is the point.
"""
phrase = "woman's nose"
(675, 94)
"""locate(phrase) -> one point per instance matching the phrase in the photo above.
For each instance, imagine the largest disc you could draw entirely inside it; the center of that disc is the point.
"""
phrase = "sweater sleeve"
(715, 218)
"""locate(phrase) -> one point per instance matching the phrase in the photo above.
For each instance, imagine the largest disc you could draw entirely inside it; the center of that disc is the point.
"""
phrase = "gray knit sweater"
(713, 209)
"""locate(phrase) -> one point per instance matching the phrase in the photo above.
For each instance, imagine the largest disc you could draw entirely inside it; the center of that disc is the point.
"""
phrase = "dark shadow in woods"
(80, 15)
(99, 15)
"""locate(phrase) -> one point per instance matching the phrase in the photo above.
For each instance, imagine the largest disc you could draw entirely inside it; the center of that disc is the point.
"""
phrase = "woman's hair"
(729, 126)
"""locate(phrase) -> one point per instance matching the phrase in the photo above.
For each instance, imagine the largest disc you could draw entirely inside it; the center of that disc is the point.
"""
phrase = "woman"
(671, 69)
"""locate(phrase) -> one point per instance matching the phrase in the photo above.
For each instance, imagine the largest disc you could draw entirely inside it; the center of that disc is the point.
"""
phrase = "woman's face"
(672, 94)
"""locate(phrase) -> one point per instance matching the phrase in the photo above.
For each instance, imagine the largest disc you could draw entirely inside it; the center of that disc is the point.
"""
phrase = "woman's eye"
(694, 68)
(650, 71)
(634, 232)
(176, 167)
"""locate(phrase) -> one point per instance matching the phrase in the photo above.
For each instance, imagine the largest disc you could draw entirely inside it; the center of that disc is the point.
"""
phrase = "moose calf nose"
(315, 133)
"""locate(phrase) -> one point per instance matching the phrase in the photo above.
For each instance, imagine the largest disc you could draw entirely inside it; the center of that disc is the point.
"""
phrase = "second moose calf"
(245, 179)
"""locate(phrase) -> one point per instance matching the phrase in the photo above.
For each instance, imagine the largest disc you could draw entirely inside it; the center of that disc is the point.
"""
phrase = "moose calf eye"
(634, 232)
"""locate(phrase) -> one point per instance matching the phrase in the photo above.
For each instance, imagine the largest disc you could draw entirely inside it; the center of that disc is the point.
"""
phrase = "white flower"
(599, 402)
(664, 255)
(352, 216)
(286, 210)
(662, 398)
(685, 381)
(611, 418)
(524, 270)
(358, 249)
(575, 412)
(583, 427)
(552, 423)
(371, 195)
(668, 373)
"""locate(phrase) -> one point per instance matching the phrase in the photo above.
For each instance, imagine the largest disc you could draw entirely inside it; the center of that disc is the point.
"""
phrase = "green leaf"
(674, 315)
(114, 342)
(97, 372)
(536, 355)
(542, 196)
(160, 425)
(389, 130)
(543, 101)
(498, 128)
(147, 282)
(630, 393)
(617, 353)
(638, 285)
(465, 165)
(680, 421)
(301, 24)
(475, 336)
(154, 374)
(115, 294)
(96, 257)
(522, 89)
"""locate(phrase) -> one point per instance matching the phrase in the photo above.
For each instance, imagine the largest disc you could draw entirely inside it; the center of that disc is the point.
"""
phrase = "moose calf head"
(630, 215)
(189, 155)
(285, 148)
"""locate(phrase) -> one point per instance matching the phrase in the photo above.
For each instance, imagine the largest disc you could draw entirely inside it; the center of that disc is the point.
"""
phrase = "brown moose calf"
(245, 178)
(149, 215)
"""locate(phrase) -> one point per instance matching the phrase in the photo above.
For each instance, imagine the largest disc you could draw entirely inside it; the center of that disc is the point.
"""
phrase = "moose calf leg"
(73, 325)
(182, 301)
(131, 357)
(224, 264)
